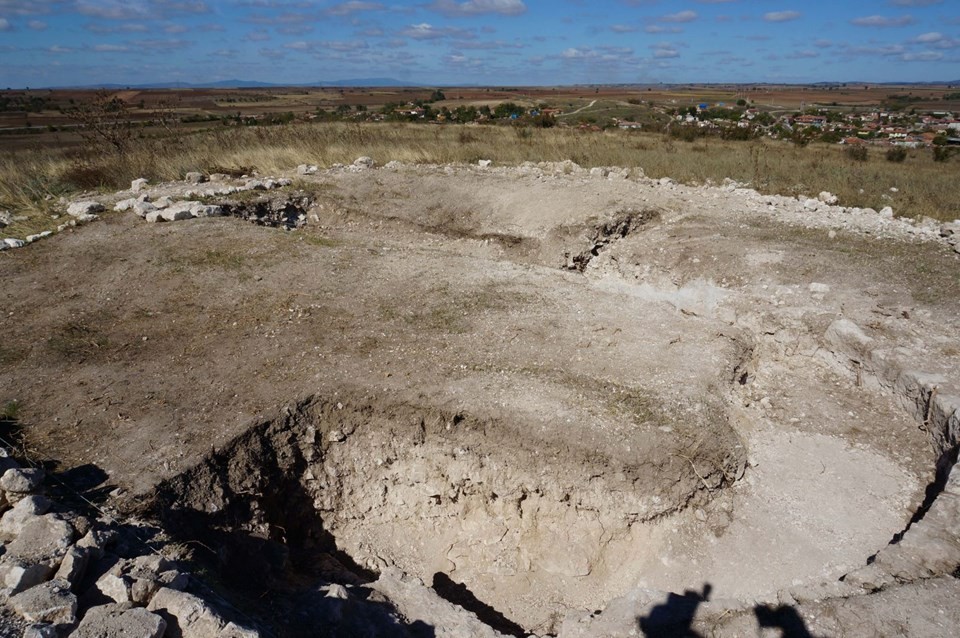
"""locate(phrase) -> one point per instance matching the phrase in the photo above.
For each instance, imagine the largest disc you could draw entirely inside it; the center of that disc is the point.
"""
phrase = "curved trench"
(515, 530)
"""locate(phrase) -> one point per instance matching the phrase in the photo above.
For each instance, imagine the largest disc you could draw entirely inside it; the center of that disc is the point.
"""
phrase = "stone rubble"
(49, 566)
(185, 199)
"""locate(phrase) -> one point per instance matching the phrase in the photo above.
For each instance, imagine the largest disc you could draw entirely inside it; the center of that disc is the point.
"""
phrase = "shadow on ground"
(674, 618)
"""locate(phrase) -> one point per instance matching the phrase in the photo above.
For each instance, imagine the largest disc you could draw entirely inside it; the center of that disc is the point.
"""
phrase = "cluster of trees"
(25, 103)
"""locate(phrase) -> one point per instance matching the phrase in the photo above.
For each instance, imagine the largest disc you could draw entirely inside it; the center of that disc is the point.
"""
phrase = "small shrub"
(523, 132)
(857, 153)
(9, 411)
(86, 175)
(942, 153)
(896, 154)
(686, 133)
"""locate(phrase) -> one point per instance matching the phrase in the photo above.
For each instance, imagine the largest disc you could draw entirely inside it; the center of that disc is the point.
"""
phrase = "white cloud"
(272, 54)
(28, 7)
(160, 45)
(353, 6)
(478, 7)
(577, 54)
(110, 48)
(622, 28)
(130, 27)
(923, 56)
(682, 16)
(37, 25)
(781, 16)
(926, 38)
(5, 25)
(426, 31)
(113, 9)
(883, 21)
(914, 3)
(664, 51)
(180, 6)
(659, 28)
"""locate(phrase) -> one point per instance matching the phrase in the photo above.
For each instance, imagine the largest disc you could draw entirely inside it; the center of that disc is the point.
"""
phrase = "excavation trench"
(515, 529)
(276, 211)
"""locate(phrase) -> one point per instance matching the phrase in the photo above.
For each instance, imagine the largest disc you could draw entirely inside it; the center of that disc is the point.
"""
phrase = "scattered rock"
(138, 185)
(142, 208)
(307, 169)
(74, 565)
(38, 236)
(40, 630)
(125, 204)
(51, 602)
(6, 462)
(17, 575)
(21, 480)
(393, 165)
(97, 540)
(233, 630)
(5, 218)
(484, 163)
(79, 209)
(951, 231)
(599, 171)
(11, 242)
(828, 198)
(43, 539)
(886, 212)
(195, 178)
(187, 616)
(120, 621)
(137, 580)
(25, 510)
(364, 162)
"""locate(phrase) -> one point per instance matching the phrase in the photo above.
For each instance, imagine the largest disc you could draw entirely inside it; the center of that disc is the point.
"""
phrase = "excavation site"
(470, 400)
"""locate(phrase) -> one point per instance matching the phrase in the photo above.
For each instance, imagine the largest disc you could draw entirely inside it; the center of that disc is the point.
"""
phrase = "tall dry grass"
(32, 180)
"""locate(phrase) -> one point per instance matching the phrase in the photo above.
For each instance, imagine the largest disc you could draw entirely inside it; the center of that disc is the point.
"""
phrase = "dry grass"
(29, 178)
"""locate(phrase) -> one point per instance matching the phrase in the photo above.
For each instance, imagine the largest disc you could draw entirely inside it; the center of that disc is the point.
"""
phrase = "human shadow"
(674, 618)
(785, 618)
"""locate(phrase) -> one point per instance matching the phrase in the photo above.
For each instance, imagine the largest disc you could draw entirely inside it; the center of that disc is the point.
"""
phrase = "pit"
(515, 529)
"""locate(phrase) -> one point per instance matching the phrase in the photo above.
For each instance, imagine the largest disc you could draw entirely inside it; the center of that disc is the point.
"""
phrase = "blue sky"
(489, 42)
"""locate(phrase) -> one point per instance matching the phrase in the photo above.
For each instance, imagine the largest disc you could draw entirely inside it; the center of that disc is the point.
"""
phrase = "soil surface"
(550, 386)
